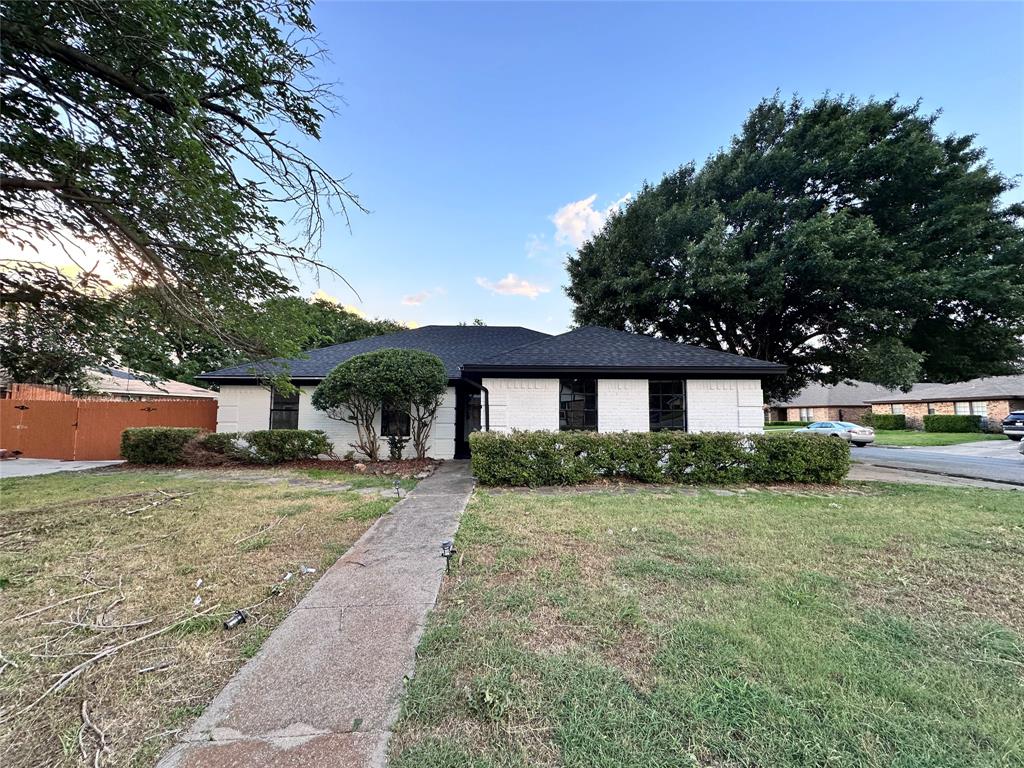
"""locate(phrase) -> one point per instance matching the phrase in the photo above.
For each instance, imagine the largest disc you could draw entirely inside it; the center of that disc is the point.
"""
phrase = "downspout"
(487, 403)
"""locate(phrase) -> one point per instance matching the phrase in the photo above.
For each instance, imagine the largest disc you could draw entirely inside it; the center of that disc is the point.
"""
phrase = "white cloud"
(577, 222)
(513, 285)
(415, 299)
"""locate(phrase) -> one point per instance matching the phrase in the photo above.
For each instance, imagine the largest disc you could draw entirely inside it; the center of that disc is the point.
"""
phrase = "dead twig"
(160, 502)
(155, 667)
(105, 627)
(76, 670)
(261, 530)
(60, 603)
(87, 723)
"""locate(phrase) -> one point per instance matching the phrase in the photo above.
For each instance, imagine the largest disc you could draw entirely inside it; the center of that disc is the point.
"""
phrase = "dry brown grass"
(69, 535)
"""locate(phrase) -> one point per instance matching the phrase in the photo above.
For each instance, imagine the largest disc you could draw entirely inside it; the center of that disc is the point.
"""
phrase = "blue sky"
(488, 138)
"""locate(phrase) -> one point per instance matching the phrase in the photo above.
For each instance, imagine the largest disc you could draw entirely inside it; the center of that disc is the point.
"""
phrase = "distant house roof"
(454, 344)
(845, 394)
(988, 388)
(596, 348)
(482, 349)
(121, 381)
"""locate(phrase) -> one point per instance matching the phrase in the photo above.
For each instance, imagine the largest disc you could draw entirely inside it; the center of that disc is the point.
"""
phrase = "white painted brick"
(623, 405)
(724, 405)
(527, 404)
(242, 408)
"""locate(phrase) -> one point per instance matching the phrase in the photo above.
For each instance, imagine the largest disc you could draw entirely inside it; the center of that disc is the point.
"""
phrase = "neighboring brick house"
(510, 378)
(846, 401)
(992, 398)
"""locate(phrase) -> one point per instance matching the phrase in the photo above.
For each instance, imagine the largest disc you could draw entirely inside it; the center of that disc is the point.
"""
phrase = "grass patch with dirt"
(914, 438)
(870, 625)
(130, 552)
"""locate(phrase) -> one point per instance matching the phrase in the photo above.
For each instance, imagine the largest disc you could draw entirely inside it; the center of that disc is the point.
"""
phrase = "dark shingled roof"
(597, 348)
(506, 349)
(454, 344)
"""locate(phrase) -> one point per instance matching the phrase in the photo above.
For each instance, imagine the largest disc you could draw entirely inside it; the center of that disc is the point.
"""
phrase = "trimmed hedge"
(787, 423)
(570, 458)
(269, 446)
(156, 445)
(885, 420)
(943, 422)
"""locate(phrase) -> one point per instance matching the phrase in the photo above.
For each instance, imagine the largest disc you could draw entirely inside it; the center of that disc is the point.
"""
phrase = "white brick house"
(509, 378)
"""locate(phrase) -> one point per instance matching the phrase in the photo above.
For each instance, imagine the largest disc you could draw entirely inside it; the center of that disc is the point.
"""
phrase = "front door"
(467, 417)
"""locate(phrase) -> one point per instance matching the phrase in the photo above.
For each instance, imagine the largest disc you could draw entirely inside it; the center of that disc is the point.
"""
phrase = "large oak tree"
(844, 239)
(171, 136)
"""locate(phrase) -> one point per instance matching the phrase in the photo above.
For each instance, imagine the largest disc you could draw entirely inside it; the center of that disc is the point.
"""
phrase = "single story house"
(846, 401)
(513, 378)
(992, 398)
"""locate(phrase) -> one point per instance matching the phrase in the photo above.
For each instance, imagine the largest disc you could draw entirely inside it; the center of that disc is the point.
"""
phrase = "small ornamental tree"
(427, 381)
(356, 390)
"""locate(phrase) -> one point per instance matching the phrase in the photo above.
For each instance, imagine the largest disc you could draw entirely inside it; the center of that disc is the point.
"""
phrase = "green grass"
(358, 481)
(912, 437)
(134, 548)
(872, 626)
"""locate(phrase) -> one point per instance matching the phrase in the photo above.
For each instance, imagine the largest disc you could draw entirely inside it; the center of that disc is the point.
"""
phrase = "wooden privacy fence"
(85, 430)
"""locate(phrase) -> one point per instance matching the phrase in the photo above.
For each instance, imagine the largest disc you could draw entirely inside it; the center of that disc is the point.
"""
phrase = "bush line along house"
(511, 378)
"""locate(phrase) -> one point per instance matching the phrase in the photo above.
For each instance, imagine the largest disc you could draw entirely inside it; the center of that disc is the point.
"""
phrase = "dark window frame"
(391, 415)
(571, 417)
(660, 394)
(284, 410)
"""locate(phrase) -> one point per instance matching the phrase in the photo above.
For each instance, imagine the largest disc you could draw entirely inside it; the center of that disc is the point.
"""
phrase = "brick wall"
(724, 405)
(243, 409)
(623, 405)
(821, 413)
(527, 404)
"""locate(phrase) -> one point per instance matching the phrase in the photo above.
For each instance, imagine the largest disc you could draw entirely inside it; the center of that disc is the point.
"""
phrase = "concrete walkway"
(324, 688)
(33, 467)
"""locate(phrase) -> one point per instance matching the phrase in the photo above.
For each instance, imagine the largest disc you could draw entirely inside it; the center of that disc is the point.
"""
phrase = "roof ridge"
(547, 337)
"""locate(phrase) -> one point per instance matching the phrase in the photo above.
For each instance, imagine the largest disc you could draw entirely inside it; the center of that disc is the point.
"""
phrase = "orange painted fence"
(85, 430)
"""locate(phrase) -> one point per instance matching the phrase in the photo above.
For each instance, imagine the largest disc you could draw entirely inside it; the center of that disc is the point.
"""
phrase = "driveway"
(995, 460)
(32, 467)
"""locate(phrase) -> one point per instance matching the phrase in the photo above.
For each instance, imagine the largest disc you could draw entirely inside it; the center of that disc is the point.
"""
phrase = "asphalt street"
(999, 462)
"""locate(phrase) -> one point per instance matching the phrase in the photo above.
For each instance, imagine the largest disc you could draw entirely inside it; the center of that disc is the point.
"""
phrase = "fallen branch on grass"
(76, 670)
(61, 602)
(155, 667)
(87, 723)
(159, 502)
(262, 530)
(106, 627)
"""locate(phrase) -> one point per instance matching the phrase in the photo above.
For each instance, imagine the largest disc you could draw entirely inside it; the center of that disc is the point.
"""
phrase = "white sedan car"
(852, 433)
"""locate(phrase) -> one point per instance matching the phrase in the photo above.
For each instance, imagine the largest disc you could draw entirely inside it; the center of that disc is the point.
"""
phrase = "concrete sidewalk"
(33, 467)
(324, 688)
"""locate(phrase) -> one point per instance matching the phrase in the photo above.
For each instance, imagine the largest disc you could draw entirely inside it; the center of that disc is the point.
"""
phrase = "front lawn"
(93, 561)
(912, 437)
(873, 626)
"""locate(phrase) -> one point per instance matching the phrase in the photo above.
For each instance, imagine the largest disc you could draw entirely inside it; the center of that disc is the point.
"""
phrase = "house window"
(284, 410)
(980, 408)
(577, 404)
(806, 414)
(931, 407)
(897, 409)
(962, 409)
(394, 421)
(667, 404)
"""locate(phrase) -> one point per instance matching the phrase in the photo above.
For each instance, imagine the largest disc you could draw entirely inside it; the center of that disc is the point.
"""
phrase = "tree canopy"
(170, 135)
(844, 239)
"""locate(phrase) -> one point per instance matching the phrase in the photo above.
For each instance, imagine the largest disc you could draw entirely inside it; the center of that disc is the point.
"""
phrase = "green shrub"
(885, 420)
(219, 442)
(273, 446)
(943, 422)
(156, 445)
(787, 423)
(570, 458)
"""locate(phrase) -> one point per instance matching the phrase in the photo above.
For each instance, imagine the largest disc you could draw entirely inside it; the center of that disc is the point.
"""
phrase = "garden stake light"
(234, 620)
(398, 488)
(447, 550)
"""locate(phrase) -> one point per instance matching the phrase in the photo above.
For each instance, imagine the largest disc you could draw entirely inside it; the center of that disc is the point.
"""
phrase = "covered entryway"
(468, 415)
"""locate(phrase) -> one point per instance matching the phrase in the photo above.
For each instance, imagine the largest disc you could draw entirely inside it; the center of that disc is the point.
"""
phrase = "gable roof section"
(122, 381)
(593, 348)
(988, 388)
(850, 394)
(454, 344)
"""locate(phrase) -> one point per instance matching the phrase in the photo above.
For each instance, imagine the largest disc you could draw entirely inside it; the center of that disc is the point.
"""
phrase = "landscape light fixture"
(398, 488)
(447, 550)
